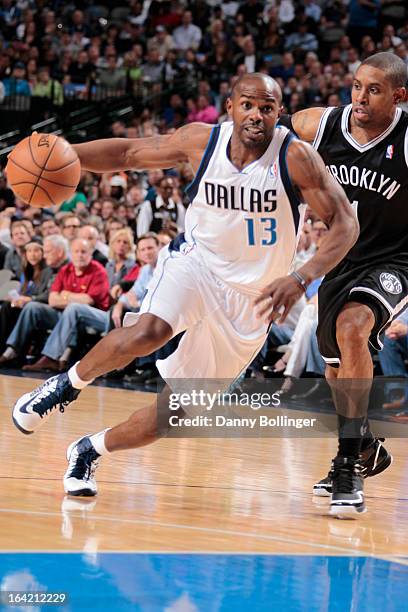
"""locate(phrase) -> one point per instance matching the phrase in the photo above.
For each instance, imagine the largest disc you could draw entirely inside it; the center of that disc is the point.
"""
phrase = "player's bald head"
(258, 84)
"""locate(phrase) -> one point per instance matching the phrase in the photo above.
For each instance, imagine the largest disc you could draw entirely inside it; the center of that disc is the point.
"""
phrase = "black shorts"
(381, 286)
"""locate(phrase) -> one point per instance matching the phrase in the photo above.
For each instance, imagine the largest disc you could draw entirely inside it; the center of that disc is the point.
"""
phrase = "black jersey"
(375, 179)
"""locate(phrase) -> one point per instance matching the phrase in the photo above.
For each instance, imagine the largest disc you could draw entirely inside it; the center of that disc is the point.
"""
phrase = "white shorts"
(222, 333)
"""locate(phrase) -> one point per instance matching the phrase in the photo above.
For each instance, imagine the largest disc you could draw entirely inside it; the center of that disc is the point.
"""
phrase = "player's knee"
(137, 341)
(354, 326)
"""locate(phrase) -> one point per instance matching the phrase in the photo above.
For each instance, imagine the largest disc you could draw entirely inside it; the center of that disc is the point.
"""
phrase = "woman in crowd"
(121, 259)
(34, 282)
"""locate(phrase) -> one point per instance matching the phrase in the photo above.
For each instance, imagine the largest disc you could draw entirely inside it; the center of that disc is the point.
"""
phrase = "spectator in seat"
(162, 41)
(162, 212)
(113, 225)
(91, 234)
(131, 300)
(17, 85)
(20, 236)
(205, 111)
(81, 69)
(112, 78)
(108, 208)
(34, 280)
(36, 313)
(121, 259)
(250, 58)
(49, 227)
(79, 293)
(70, 225)
(187, 35)
(46, 87)
(145, 254)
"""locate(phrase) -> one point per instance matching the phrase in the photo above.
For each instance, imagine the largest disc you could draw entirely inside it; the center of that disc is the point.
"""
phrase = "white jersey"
(244, 223)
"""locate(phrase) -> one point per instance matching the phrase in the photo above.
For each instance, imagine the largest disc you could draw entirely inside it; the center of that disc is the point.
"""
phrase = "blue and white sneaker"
(82, 462)
(34, 408)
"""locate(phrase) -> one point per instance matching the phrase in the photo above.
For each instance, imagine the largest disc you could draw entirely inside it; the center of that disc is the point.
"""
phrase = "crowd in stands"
(83, 265)
(193, 50)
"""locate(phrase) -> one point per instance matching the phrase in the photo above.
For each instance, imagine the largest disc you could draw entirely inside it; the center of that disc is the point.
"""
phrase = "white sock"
(10, 353)
(98, 442)
(76, 381)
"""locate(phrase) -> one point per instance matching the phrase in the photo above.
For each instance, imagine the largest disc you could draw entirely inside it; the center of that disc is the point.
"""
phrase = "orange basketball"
(43, 169)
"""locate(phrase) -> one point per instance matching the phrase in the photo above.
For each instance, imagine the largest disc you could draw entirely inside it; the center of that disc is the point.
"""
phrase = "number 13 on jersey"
(261, 231)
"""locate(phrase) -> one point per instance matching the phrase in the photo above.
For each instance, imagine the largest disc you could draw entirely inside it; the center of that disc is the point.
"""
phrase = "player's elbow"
(354, 229)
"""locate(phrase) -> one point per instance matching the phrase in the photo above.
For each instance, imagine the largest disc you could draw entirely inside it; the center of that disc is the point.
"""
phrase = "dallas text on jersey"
(239, 198)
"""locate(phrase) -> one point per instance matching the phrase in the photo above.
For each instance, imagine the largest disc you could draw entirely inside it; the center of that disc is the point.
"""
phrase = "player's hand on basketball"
(276, 300)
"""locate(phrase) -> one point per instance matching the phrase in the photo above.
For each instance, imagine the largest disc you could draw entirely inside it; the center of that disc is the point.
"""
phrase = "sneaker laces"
(85, 465)
(48, 404)
(344, 476)
(49, 401)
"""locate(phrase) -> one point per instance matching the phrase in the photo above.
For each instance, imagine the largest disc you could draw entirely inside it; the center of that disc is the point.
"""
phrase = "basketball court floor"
(193, 523)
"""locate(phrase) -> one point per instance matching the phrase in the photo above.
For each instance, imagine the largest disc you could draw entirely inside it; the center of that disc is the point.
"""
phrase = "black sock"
(351, 432)
(368, 438)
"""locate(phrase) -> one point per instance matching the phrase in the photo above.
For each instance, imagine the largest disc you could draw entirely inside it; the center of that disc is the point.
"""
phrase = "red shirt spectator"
(93, 281)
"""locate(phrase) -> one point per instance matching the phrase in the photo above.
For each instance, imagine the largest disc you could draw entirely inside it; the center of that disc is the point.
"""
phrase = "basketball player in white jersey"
(241, 234)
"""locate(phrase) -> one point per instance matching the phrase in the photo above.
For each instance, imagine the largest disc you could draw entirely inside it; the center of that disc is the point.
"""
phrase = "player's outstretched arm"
(327, 198)
(114, 154)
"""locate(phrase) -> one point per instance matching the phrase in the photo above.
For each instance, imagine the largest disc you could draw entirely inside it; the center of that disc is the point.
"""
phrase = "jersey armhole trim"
(192, 189)
(294, 199)
(322, 125)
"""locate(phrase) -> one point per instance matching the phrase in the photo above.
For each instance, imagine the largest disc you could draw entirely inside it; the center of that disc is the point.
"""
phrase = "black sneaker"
(347, 488)
(82, 462)
(374, 460)
(34, 408)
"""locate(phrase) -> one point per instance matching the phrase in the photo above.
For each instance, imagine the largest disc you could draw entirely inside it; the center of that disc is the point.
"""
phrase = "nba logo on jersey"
(273, 170)
(390, 152)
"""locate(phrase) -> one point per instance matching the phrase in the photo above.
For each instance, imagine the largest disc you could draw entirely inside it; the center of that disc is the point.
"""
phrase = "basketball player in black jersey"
(365, 147)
